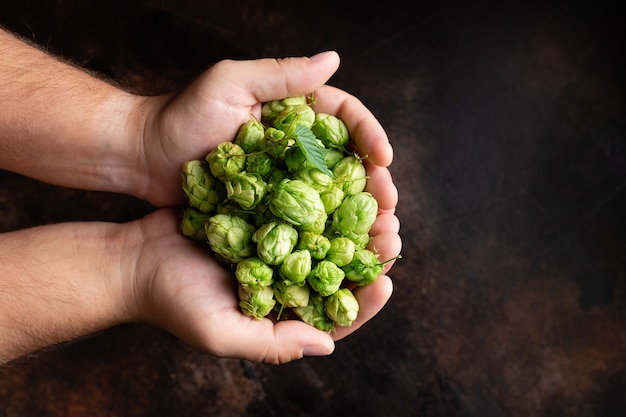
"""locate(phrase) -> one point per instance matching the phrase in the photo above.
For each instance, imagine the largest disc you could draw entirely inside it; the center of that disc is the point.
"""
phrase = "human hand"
(210, 110)
(182, 289)
(191, 295)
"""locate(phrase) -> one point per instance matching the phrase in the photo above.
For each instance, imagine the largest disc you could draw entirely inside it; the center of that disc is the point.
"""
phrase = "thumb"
(273, 79)
(278, 343)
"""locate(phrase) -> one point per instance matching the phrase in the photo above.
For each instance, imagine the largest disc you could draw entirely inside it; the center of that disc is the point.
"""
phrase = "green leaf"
(312, 151)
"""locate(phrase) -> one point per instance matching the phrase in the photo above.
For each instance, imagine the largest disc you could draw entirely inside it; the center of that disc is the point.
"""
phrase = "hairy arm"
(61, 282)
(60, 124)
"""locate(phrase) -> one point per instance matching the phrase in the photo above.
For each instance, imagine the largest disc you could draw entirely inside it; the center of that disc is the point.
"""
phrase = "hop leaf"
(313, 153)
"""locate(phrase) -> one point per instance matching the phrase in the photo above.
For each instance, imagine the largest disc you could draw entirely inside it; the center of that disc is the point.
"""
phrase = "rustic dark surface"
(509, 124)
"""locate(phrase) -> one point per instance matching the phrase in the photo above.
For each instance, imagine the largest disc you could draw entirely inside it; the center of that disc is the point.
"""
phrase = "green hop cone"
(360, 241)
(326, 278)
(192, 224)
(314, 313)
(332, 198)
(260, 164)
(271, 109)
(315, 243)
(246, 189)
(291, 295)
(293, 116)
(331, 130)
(342, 307)
(275, 177)
(226, 160)
(356, 215)
(341, 251)
(256, 304)
(230, 237)
(319, 181)
(250, 135)
(275, 240)
(350, 174)
(333, 157)
(253, 274)
(365, 267)
(276, 143)
(299, 204)
(296, 267)
(202, 189)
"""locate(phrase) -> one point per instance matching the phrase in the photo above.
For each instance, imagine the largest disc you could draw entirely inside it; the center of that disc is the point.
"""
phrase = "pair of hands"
(179, 286)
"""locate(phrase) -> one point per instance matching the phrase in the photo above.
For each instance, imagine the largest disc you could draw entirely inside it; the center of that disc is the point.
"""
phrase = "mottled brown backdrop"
(509, 124)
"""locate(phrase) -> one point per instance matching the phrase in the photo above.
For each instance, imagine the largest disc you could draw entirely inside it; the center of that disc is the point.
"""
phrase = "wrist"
(63, 281)
(82, 131)
(123, 246)
(121, 131)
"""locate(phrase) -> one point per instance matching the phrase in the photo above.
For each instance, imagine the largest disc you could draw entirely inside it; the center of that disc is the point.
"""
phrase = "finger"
(385, 223)
(267, 342)
(367, 133)
(372, 298)
(387, 245)
(380, 185)
(273, 79)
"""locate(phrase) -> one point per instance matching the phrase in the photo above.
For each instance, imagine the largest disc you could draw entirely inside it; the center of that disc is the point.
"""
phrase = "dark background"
(509, 125)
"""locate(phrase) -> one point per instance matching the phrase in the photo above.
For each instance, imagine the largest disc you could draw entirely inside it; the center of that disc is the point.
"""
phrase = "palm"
(193, 297)
(183, 290)
(188, 128)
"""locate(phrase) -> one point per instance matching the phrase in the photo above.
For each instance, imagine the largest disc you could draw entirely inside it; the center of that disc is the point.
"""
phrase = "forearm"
(60, 282)
(62, 125)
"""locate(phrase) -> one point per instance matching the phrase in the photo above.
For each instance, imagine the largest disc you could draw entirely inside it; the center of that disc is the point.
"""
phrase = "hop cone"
(192, 224)
(250, 135)
(326, 278)
(246, 189)
(292, 116)
(271, 109)
(275, 241)
(226, 160)
(296, 267)
(256, 304)
(314, 313)
(299, 204)
(341, 251)
(253, 274)
(202, 189)
(356, 215)
(331, 130)
(364, 267)
(230, 237)
(291, 295)
(351, 175)
(342, 307)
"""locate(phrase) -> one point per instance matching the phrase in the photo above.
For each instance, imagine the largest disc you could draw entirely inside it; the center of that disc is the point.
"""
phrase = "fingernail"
(320, 57)
(316, 350)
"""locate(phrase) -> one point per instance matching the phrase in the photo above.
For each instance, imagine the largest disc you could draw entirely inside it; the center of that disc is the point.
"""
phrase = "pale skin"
(62, 125)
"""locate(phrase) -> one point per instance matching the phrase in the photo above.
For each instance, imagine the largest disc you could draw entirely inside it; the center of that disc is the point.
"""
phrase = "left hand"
(188, 125)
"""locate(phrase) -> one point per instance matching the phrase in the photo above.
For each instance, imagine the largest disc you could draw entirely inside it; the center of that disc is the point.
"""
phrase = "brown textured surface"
(509, 122)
